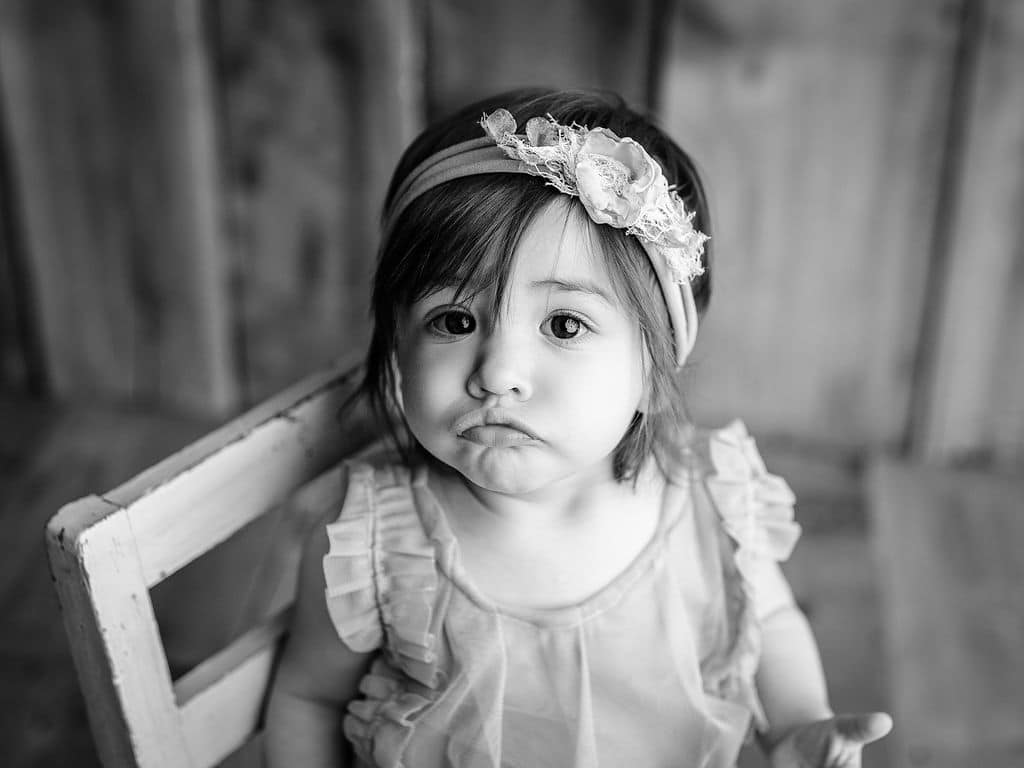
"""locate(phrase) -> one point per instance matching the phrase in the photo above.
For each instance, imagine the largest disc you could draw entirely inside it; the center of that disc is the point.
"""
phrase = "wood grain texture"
(318, 102)
(13, 355)
(19, 364)
(975, 405)
(948, 546)
(111, 131)
(65, 140)
(180, 275)
(478, 49)
(820, 129)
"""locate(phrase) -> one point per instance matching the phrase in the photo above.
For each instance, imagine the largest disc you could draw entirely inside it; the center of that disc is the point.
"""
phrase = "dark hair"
(464, 233)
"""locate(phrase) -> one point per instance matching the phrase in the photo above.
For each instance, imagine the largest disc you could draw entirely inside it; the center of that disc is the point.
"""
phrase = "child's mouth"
(494, 428)
(496, 436)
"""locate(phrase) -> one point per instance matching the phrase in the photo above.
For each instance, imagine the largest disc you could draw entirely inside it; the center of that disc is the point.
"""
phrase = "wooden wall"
(189, 193)
(823, 129)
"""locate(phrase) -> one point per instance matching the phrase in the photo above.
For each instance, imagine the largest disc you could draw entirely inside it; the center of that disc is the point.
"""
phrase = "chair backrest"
(108, 551)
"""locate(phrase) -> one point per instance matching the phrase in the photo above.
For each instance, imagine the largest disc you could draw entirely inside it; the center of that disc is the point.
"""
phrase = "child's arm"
(317, 676)
(791, 684)
(790, 678)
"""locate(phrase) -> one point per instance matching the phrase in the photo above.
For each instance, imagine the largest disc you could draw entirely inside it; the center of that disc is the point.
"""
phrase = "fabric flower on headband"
(617, 181)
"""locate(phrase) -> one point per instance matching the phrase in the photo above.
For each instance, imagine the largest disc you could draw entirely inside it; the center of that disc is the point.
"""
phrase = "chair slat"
(208, 491)
(344, 374)
(221, 699)
(116, 646)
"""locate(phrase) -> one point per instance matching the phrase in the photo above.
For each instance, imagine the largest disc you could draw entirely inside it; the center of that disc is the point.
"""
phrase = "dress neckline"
(435, 522)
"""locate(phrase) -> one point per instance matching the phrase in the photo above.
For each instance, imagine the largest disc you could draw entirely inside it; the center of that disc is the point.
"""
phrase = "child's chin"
(503, 470)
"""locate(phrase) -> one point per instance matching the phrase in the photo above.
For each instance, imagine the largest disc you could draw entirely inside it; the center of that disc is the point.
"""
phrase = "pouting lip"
(483, 417)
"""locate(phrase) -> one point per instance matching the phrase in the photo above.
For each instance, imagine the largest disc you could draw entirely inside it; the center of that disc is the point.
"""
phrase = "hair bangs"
(463, 236)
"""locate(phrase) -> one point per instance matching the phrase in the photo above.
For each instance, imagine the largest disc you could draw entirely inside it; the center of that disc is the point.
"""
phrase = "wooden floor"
(50, 455)
(949, 544)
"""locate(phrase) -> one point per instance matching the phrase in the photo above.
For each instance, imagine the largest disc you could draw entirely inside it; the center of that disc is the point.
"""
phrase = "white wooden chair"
(107, 552)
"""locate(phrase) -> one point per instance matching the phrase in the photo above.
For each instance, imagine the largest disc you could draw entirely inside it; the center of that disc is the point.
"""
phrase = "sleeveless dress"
(653, 670)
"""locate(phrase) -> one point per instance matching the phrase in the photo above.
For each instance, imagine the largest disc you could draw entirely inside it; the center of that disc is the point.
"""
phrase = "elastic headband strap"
(470, 158)
(481, 156)
(462, 148)
(682, 309)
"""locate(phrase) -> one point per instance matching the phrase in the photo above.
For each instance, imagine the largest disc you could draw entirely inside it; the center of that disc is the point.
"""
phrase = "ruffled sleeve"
(380, 574)
(756, 507)
(756, 513)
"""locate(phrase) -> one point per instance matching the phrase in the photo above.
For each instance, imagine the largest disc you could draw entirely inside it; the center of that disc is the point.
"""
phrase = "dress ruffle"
(381, 586)
(756, 509)
(380, 725)
(380, 573)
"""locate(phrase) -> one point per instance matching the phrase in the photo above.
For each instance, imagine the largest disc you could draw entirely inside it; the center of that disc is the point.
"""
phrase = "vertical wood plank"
(19, 368)
(63, 147)
(975, 405)
(478, 49)
(14, 360)
(111, 134)
(179, 267)
(318, 101)
(820, 126)
(380, 47)
(287, 185)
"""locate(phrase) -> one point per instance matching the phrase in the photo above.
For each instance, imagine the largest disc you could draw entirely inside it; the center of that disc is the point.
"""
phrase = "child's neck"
(564, 505)
(553, 547)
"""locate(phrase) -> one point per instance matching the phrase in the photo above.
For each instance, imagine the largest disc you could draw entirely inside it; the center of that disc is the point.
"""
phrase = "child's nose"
(502, 369)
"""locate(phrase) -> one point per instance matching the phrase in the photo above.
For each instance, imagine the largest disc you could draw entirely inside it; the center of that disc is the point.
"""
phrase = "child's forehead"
(558, 251)
(560, 243)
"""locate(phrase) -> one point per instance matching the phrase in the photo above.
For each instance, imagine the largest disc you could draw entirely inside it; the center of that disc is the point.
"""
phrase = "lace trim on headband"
(617, 181)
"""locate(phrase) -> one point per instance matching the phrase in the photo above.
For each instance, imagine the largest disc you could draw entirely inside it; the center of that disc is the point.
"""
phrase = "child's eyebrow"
(575, 286)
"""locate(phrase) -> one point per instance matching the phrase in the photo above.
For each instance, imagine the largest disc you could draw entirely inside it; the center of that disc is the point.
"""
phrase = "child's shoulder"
(726, 450)
(754, 506)
(375, 483)
(378, 534)
(703, 451)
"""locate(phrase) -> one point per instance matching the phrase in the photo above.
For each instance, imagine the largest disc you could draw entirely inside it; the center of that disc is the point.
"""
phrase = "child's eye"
(453, 323)
(566, 327)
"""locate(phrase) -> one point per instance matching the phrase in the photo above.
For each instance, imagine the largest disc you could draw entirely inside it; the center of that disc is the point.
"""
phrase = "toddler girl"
(546, 564)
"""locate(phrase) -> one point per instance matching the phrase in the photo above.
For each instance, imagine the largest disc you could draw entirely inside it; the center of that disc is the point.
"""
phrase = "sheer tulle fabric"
(654, 670)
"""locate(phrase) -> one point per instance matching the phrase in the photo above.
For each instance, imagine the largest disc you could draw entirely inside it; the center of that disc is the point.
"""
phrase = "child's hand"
(832, 743)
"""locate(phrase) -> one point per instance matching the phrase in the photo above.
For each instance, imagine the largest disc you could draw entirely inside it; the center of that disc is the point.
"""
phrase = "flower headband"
(617, 181)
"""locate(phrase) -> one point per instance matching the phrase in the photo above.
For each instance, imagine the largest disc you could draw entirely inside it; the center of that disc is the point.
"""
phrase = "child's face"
(534, 394)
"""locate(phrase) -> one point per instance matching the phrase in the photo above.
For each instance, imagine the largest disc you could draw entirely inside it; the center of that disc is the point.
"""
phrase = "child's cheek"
(429, 382)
